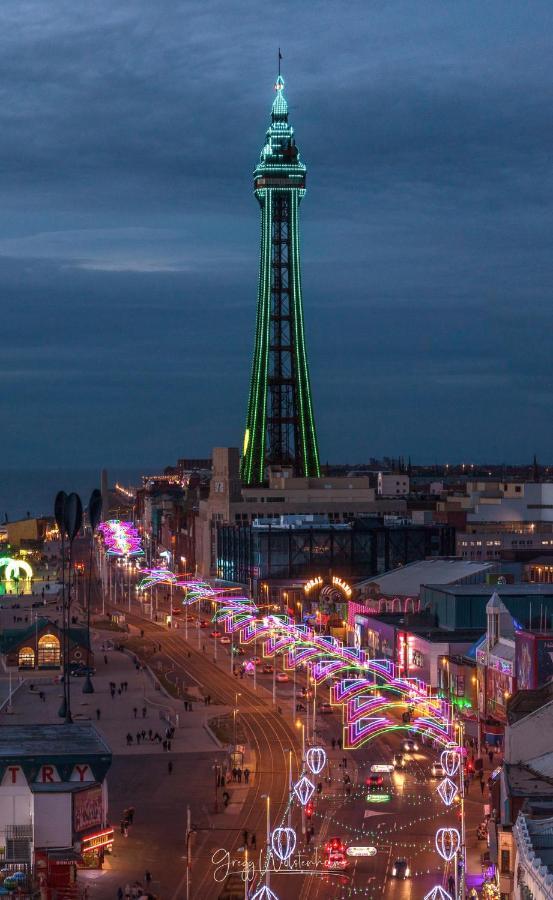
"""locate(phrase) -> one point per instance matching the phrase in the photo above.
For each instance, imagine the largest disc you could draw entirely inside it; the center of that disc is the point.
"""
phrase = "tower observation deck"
(280, 428)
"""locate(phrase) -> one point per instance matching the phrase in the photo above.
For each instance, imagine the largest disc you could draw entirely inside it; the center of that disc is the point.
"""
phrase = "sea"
(32, 491)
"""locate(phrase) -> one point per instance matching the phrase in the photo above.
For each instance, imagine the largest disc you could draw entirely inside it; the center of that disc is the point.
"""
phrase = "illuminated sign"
(381, 767)
(341, 585)
(102, 839)
(361, 851)
(378, 798)
(313, 583)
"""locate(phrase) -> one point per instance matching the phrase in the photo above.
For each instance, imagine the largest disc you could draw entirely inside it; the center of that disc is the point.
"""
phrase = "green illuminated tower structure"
(280, 428)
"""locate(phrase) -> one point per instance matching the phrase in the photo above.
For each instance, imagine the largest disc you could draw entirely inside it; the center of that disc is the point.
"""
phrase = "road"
(400, 822)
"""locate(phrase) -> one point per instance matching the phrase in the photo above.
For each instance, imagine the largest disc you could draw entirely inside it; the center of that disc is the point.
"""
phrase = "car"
(268, 669)
(379, 768)
(215, 634)
(203, 624)
(80, 670)
(400, 868)
(410, 746)
(437, 770)
(256, 660)
(225, 640)
(282, 676)
(325, 708)
(335, 860)
(398, 760)
(374, 780)
(239, 651)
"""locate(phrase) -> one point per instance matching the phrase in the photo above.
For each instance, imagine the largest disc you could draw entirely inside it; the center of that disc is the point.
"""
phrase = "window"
(48, 650)
(26, 658)
(505, 862)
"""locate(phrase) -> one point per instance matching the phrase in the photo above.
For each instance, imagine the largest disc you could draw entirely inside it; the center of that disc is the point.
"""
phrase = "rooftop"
(51, 740)
(524, 781)
(426, 630)
(486, 590)
(407, 580)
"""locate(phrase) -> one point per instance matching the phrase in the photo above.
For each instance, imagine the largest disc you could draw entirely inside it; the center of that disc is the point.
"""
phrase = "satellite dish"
(95, 508)
(59, 508)
(73, 515)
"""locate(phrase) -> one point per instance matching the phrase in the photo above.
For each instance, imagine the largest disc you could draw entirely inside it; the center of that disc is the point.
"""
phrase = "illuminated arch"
(14, 566)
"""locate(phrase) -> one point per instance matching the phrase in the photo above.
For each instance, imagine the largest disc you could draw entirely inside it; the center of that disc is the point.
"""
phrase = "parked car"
(80, 670)
(282, 676)
(437, 770)
(268, 669)
(225, 640)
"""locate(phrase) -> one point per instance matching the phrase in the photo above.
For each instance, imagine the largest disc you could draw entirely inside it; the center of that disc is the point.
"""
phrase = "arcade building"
(53, 804)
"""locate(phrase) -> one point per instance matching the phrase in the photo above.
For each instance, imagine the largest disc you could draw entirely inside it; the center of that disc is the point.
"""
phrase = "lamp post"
(235, 711)
(268, 839)
(300, 724)
(94, 515)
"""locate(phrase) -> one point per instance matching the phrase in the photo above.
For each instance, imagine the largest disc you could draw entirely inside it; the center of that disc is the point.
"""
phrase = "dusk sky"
(129, 232)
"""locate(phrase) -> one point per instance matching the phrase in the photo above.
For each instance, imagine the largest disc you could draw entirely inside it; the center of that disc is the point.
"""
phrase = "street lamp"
(235, 713)
(267, 797)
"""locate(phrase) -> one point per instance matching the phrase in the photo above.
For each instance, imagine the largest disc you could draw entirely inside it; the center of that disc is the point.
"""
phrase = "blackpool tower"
(280, 428)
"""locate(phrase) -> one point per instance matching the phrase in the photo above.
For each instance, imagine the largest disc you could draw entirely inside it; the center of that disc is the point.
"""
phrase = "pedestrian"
(253, 841)
(130, 814)
(138, 736)
(245, 837)
(490, 755)
(345, 761)
(106, 662)
(98, 715)
(144, 711)
(135, 711)
(339, 742)
(234, 774)
(150, 733)
(119, 893)
(148, 877)
(240, 776)
(170, 766)
(122, 826)
(451, 884)
(127, 891)
(247, 776)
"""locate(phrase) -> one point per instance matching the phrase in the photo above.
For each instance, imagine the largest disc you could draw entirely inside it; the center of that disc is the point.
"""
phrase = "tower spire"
(280, 427)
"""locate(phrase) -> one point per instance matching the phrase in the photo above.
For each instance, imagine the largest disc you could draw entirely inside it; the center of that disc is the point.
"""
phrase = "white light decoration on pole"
(448, 842)
(283, 842)
(438, 893)
(303, 789)
(450, 761)
(447, 790)
(265, 893)
(316, 759)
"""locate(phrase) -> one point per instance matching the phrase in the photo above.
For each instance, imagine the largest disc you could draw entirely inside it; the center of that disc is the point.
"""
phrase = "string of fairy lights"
(366, 694)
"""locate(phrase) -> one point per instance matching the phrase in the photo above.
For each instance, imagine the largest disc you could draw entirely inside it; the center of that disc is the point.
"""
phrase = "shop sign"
(87, 809)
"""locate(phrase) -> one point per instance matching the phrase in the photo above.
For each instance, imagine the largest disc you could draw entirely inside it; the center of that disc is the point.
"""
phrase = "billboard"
(525, 660)
(534, 659)
(87, 809)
